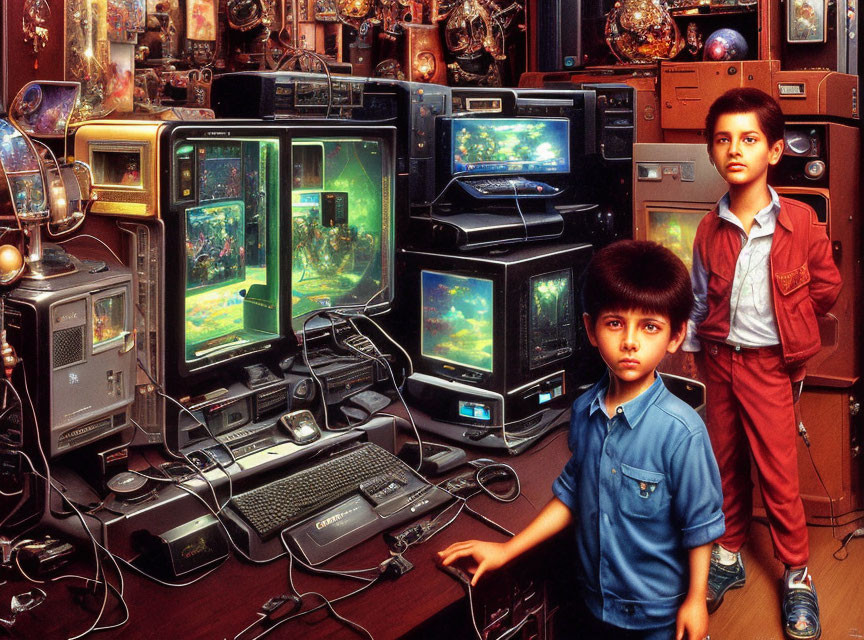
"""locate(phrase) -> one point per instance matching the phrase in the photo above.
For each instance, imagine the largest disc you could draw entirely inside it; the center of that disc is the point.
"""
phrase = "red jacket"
(805, 280)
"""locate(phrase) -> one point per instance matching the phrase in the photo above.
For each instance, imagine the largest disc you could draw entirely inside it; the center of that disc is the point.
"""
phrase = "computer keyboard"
(502, 187)
(368, 469)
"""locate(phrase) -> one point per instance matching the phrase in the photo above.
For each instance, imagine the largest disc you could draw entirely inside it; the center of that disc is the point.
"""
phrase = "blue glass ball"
(725, 44)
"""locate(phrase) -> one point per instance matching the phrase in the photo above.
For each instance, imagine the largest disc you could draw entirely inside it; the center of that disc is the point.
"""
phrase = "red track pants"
(750, 410)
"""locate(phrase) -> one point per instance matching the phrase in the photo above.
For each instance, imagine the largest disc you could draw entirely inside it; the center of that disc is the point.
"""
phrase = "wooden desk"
(222, 604)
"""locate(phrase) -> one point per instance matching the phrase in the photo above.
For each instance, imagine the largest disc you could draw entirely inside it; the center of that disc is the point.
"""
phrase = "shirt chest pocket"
(792, 284)
(642, 493)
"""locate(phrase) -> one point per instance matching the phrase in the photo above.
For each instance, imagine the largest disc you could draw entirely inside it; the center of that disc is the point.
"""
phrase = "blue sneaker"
(722, 577)
(800, 606)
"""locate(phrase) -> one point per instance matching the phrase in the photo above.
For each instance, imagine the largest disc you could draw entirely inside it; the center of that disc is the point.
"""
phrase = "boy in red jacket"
(762, 271)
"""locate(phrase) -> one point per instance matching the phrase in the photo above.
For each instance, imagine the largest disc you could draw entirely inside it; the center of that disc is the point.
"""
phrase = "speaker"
(559, 41)
(570, 34)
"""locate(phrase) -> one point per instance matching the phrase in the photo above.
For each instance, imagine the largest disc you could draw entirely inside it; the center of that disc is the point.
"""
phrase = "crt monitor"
(494, 338)
(341, 222)
(457, 319)
(508, 146)
(550, 329)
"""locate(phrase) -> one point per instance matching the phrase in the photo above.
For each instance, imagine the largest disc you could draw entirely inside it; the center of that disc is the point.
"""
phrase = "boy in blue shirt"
(642, 487)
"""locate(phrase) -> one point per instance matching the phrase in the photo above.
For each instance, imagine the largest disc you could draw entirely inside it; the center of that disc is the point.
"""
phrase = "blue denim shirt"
(644, 488)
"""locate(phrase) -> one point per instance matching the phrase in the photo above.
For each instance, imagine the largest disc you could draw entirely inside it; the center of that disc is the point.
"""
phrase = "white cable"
(519, 209)
(383, 360)
(305, 341)
(87, 235)
(443, 190)
(99, 570)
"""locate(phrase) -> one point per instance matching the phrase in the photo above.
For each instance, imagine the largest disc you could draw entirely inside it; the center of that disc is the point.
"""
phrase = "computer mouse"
(457, 573)
(300, 426)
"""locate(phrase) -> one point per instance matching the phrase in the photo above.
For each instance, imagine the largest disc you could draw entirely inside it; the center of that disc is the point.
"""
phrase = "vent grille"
(269, 400)
(68, 346)
(85, 433)
(523, 427)
(110, 195)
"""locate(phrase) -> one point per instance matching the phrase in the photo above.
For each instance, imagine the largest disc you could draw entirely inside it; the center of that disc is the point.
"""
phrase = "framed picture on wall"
(120, 83)
(805, 21)
(201, 19)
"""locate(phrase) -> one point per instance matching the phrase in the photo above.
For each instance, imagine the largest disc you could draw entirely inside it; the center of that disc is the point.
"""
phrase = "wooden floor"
(753, 612)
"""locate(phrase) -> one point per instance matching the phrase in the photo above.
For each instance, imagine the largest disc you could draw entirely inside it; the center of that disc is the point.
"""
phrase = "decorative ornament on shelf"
(806, 19)
(424, 65)
(694, 39)
(642, 32)
(725, 44)
(35, 19)
(423, 59)
(474, 72)
(389, 68)
(325, 11)
(471, 28)
(245, 15)
(354, 9)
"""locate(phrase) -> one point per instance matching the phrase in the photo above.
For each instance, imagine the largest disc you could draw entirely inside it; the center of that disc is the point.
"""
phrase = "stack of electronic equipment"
(252, 365)
(501, 195)
(526, 183)
(261, 369)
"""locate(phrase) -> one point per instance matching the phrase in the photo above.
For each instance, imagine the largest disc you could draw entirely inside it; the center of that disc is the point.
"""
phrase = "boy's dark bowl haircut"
(747, 100)
(638, 274)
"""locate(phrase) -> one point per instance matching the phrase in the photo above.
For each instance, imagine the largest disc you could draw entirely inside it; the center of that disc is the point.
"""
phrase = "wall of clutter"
(144, 55)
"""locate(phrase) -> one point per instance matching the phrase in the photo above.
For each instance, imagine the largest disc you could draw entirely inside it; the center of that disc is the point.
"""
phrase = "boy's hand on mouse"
(692, 620)
(486, 556)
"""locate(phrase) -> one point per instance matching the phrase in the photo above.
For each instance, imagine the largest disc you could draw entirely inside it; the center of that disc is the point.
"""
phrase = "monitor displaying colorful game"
(215, 253)
(341, 221)
(220, 170)
(231, 278)
(509, 145)
(551, 330)
(457, 319)
(109, 319)
(675, 229)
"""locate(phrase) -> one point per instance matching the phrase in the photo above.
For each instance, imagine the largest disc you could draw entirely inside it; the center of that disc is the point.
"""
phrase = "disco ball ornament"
(11, 259)
(642, 31)
(725, 44)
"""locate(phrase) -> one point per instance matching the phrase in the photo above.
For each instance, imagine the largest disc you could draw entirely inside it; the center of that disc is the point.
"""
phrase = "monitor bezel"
(141, 148)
